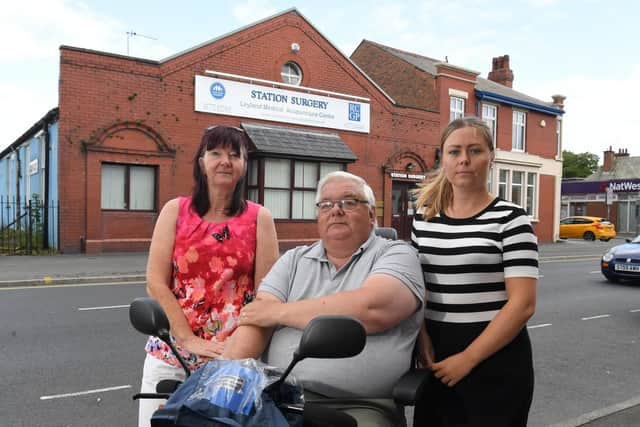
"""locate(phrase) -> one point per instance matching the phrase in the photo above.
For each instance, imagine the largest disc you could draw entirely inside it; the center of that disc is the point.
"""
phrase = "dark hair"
(219, 136)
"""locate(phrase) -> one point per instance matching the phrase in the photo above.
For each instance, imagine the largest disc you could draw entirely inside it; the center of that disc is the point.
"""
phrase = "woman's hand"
(203, 348)
(453, 369)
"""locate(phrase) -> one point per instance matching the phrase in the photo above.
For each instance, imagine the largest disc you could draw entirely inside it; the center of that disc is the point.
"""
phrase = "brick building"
(127, 129)
(527, 131)
(612, 192)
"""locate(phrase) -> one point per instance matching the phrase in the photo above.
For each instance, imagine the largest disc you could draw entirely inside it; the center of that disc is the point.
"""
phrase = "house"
(527, 132)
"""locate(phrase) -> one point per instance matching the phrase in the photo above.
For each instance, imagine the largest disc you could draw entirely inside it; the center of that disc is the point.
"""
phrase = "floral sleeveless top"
(203, 253)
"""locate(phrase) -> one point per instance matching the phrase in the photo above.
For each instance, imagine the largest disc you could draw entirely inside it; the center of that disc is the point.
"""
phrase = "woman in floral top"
(207, 254)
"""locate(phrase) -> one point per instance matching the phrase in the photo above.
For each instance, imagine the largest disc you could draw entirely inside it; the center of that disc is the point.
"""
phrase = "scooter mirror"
(332, 337)
(148, 317)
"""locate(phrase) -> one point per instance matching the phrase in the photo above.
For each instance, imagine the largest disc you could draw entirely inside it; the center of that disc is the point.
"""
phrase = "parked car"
(587, 228)
(622, 261)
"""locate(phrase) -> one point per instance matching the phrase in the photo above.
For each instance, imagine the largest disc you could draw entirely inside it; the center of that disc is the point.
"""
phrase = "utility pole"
(133, 33)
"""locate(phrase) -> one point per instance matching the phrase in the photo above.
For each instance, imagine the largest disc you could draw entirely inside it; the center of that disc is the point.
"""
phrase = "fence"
(28, 227)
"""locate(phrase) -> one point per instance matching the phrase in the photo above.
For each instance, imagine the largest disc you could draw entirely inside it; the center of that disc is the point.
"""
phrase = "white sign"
(231, 98)
(407, 175)
(33, 167)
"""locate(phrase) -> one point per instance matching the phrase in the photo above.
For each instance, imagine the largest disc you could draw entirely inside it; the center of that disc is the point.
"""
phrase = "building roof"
(297, 142)
(623, 168)
(50, 117)
(485, 88)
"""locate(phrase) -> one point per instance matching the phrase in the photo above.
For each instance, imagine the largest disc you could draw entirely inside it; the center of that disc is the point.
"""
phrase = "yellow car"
(587, 228)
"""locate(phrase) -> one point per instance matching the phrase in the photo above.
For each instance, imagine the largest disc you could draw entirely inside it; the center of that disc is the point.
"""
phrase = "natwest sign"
(625, 186)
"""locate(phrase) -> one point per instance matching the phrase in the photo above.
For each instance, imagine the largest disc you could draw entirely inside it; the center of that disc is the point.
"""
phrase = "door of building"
(403, 205)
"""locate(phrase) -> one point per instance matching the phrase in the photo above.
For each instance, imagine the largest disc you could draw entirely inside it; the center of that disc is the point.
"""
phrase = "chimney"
(622, 152)
(558, 101)
(607, 165)
(500, 72)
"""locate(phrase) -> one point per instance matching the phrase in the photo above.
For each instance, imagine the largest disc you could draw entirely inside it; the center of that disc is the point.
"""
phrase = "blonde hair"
(435, 193)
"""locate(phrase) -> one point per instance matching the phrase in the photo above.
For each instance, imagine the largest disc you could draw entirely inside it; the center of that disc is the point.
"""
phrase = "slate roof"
(623, 168)
(297, 142)
(428, 65)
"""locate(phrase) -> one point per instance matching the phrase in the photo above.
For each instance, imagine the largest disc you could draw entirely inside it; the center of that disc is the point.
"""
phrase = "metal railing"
(28, 227)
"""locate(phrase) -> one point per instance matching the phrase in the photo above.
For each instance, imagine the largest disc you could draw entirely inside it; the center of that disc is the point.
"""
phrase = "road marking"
(594, 272)
(634, 310)
(108, 307)
(598, 413)
(601, 316)
(542, 325)
(82, 393)
(70, 285)
(540, 276)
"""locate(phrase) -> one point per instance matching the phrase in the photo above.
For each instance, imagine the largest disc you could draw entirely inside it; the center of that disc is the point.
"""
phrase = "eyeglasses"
(344, 204)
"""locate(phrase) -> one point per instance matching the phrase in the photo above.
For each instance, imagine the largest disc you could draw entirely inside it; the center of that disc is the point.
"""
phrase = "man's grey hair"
(364, 188)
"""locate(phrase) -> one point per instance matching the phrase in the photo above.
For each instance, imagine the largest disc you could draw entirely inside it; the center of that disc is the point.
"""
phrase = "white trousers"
(154, 371)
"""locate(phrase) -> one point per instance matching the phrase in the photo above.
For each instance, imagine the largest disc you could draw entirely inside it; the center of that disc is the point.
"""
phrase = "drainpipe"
(45, 219)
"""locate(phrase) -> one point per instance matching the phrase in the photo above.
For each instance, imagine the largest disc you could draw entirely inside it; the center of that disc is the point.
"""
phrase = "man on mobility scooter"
(350, 271)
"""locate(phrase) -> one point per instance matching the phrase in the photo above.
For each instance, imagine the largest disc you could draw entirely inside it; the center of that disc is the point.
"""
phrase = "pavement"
(17, 271)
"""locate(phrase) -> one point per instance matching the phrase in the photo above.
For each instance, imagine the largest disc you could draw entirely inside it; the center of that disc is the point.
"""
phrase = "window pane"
(518, 129)
(252, 172)
(141, 188)
(502, 184)
(456, 108)
(306, 175)
(516, 187)
(303, 205)
(277, 173)
(530, 206)
(277, 201)
(489, 115)
(253, 195)
(327, 168)
(112, 191)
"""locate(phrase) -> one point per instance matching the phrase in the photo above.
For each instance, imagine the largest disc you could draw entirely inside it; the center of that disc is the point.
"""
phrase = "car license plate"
(624, 267)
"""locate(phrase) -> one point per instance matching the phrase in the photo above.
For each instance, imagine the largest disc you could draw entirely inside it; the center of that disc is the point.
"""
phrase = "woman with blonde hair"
(479, 257)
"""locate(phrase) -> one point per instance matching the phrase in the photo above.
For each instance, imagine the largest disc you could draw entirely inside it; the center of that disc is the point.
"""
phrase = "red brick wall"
(99, 91)
(547, 202)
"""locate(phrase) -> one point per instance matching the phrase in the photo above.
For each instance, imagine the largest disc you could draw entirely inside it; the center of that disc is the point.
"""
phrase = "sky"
(586, 50)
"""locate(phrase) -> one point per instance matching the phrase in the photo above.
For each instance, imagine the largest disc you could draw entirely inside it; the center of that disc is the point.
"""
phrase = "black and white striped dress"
(465, 263)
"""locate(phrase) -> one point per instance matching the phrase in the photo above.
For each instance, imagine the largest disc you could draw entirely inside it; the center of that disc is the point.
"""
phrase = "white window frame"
(525, 188)
(519, 131)
(490, 117)
(291, 73)
(456, 108)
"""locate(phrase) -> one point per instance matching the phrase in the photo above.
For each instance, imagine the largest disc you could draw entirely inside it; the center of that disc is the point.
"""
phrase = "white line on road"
(599, 413)
(594, 272)
(108, 307)
(82, 393)
(70, 285)
(540, 276)
(634, 310)
(542, 325)
(601, 316)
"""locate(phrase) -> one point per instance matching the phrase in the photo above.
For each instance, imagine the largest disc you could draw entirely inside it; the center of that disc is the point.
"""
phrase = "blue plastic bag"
(230, 393)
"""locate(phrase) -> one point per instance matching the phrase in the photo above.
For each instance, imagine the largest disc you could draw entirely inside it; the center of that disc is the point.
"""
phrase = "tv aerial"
(132, 34)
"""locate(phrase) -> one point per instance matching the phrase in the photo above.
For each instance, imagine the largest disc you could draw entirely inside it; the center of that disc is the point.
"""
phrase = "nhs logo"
(354, 112)
(217, 90)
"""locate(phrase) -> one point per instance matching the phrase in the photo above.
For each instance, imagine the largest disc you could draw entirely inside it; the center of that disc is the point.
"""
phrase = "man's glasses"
(345, 204)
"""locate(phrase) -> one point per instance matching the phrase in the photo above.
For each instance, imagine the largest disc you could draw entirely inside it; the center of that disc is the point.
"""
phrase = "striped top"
(465, 261)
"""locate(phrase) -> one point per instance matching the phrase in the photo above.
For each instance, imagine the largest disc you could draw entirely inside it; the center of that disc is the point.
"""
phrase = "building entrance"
(403, 208)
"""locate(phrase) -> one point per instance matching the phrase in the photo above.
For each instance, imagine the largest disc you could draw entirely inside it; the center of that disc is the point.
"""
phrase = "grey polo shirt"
(304, 273)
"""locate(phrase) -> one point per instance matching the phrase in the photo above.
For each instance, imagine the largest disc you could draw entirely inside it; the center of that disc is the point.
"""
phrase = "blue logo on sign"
(217, 90)
(354, 112)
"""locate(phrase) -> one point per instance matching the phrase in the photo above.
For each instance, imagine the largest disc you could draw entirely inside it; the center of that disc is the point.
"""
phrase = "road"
(61, 346)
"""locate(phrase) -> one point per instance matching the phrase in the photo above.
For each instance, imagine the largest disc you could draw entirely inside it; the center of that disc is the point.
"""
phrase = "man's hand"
(261, 312)
(203, 348)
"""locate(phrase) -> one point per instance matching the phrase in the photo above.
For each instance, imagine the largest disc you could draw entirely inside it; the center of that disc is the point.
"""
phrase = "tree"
(578, 165)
